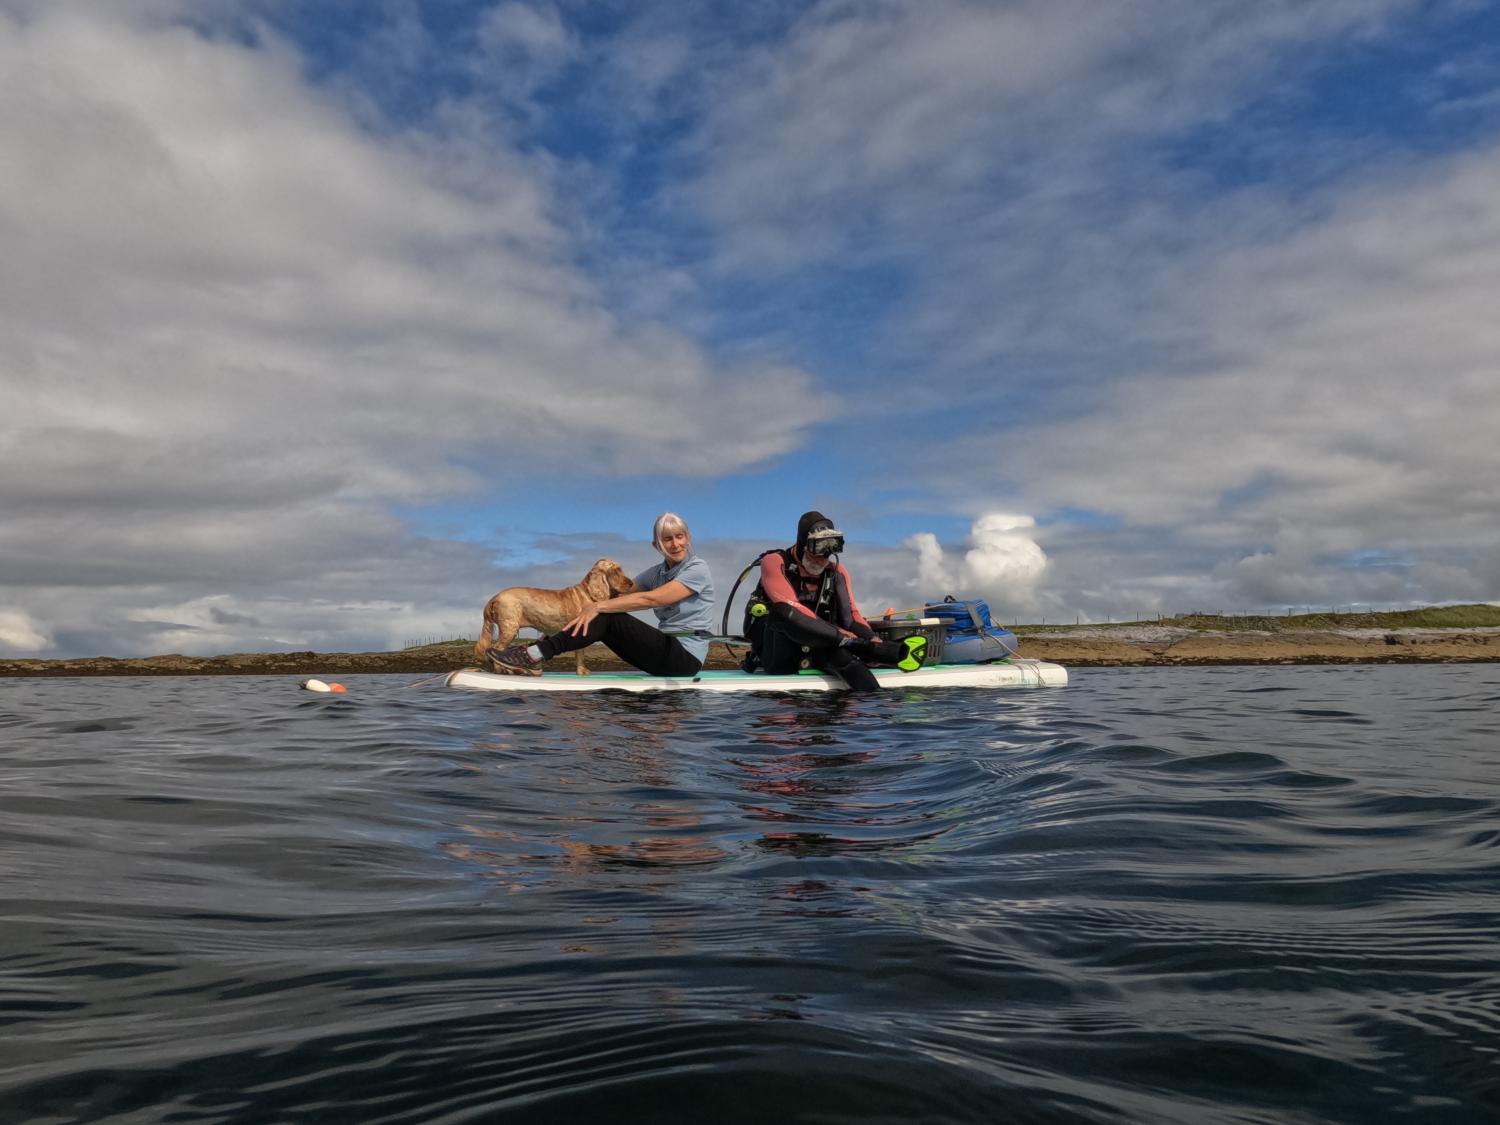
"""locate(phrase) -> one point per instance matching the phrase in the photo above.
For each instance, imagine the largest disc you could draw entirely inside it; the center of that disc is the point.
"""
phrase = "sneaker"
(916, 652)
(514, 660)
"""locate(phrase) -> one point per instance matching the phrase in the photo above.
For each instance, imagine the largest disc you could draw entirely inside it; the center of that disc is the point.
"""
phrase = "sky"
(322, 321)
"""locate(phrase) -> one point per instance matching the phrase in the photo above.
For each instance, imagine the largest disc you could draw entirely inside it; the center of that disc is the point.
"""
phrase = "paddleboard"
(1002, 674)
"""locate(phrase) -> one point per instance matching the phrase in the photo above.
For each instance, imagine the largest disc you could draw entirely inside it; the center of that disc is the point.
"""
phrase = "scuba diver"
(803, 615)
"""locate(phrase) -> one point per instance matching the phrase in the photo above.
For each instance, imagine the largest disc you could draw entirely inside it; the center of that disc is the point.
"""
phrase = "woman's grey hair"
(668, 521)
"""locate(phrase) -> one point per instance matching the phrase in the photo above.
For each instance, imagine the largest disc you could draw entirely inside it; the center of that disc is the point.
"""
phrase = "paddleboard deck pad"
(1002, 674)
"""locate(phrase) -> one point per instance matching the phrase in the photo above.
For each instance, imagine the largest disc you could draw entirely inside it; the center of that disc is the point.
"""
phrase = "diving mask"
(823, 542)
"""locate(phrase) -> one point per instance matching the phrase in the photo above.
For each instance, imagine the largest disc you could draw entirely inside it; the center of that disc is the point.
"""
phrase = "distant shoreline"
(1101, 647)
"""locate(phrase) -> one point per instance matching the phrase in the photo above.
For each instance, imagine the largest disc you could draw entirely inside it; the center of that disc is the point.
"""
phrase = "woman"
(679, 589)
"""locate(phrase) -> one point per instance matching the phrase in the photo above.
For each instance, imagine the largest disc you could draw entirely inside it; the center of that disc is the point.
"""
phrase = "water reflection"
(838, 743)
(821, 720)
(609, 773)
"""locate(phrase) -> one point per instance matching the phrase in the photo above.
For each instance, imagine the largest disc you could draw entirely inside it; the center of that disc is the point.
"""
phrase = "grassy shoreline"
(1450, 634)
(1480, 615)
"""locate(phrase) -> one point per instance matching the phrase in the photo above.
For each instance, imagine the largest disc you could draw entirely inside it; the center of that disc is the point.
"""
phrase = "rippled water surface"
(1195, 895)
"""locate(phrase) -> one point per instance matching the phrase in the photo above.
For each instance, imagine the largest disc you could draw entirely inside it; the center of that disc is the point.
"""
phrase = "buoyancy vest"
(824, 596)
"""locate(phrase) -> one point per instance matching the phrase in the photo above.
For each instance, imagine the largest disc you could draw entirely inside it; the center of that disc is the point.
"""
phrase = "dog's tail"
(487, 628)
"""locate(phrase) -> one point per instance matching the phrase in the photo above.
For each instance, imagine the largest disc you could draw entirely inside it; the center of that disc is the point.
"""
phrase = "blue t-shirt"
(691, 620)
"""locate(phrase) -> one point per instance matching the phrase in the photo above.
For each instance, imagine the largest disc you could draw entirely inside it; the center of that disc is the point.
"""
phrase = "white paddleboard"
(1002, 674)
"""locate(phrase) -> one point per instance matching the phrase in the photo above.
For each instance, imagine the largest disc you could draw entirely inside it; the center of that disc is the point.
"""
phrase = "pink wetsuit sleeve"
(778, 589)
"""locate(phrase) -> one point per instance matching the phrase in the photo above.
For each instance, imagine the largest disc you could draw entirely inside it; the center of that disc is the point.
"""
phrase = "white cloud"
(923, 117)
(199, 239)
(1214, 368)
(522, 46)
(536, 30)
(236, 324)
(241, 321)
(1003, 564)
(19, 634)
(1354, 397)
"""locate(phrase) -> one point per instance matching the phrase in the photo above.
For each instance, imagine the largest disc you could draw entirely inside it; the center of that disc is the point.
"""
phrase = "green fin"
(916, 652)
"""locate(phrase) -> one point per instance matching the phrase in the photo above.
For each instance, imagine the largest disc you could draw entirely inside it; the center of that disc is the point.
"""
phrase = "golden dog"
(547, 610)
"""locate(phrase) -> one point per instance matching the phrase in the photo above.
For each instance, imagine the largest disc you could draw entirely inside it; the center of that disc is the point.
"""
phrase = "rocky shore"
(1101, 647)
(1148, 646)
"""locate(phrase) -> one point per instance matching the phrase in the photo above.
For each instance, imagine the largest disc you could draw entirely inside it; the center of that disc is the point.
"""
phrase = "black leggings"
(633, 641)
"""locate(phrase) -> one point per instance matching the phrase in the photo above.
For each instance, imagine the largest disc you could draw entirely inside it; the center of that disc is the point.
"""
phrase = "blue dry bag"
(969, 636)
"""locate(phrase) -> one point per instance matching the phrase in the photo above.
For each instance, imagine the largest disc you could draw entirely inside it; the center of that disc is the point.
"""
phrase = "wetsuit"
(813, 622)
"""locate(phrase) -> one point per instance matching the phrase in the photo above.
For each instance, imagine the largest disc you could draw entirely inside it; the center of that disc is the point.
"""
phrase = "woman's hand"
(580, 624)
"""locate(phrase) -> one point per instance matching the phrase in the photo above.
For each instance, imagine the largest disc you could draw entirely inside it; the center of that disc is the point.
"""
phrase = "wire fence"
(445, 639)
(1146, 617)
(525, 633)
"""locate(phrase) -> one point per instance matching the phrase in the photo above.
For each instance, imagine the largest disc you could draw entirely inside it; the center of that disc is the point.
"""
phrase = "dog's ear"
(619, 581)
(595, 584)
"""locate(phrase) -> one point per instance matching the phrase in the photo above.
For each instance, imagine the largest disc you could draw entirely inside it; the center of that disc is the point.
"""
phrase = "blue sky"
(320, 322)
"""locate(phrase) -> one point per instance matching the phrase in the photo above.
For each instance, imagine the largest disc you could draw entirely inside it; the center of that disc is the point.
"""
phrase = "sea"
(1194, 895)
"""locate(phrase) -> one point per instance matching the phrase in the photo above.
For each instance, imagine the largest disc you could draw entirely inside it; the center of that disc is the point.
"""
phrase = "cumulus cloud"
(19, 633)
(1003, 563)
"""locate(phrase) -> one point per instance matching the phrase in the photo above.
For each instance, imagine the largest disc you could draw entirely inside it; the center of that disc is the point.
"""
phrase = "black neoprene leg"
(826, 648)
(846, 666)
(633, 641)
(884, 652)
(803, 629)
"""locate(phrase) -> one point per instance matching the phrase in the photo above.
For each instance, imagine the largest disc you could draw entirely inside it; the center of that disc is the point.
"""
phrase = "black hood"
(810, 522)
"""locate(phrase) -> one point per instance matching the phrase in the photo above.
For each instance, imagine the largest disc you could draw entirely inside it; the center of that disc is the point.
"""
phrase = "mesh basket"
(894, 628)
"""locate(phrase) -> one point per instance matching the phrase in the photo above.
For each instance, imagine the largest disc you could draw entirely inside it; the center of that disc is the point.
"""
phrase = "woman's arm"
(668, 593)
